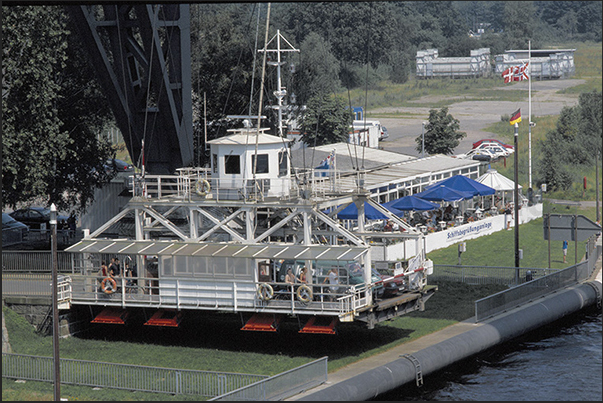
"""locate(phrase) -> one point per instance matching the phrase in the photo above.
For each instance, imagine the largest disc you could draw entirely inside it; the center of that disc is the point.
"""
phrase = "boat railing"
(356, 298)
(217, 294)
(197, 183)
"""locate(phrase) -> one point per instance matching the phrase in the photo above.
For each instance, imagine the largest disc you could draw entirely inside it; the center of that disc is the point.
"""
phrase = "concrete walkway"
(412, 347)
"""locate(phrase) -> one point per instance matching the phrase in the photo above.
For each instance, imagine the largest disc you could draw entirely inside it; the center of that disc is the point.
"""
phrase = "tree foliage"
(442, 133)
(574, 143)
(338, 39)
(318, 71)
(326, 120)
(51, 113)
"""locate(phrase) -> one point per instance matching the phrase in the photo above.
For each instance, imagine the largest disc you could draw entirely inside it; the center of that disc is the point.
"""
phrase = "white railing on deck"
(316, 182)
(229, 295)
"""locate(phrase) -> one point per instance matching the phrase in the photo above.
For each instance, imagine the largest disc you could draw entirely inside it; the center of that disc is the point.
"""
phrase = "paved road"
(474, 116)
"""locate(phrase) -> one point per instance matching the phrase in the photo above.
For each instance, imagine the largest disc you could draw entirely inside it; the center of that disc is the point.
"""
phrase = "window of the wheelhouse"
(232, 164)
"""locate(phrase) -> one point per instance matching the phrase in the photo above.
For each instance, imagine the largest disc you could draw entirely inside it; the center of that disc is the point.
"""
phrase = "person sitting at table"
(448, 212)
(388, 226)
(433, 219)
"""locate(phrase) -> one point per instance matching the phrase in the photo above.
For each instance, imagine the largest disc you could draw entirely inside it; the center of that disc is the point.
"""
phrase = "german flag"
(516, 117)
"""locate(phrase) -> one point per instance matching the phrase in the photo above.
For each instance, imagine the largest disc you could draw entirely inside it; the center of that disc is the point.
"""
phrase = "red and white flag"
(522, 73)
(516, 73)
(508, 74)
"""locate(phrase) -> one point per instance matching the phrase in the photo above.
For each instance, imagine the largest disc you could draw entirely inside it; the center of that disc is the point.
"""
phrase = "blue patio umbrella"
(370, 212)
(464, 184)
(443, 193)
(408, 203)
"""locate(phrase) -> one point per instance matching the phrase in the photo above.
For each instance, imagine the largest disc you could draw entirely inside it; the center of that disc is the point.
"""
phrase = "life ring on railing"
(304, 293)
(202, 187)
(108, 285)
(265, 292)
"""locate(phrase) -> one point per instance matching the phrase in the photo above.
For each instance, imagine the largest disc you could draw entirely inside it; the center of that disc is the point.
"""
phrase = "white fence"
(455, 234)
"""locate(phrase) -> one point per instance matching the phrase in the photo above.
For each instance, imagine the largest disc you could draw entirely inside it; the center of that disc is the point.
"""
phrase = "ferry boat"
(223, 238)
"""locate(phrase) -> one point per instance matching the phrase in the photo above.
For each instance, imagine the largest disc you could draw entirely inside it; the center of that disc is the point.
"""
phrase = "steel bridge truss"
(301, 223)
(141, 55)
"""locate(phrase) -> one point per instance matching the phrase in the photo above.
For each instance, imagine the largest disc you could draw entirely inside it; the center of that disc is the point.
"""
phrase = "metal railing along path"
(283, 385)
(35, 285)
(479, 275)
(35, 261)
(528, 291)
(125, 376)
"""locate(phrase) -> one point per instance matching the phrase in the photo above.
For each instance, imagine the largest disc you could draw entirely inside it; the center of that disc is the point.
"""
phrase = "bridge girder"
(141, 56)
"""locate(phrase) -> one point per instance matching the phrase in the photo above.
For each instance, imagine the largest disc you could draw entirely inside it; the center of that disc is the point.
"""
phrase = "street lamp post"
(423, 140)
(55, 310)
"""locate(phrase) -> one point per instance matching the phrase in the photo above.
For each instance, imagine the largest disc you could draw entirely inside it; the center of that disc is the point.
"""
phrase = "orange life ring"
(111, 288)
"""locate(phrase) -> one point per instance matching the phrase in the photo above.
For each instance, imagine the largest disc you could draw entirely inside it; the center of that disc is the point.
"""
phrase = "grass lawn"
(216, 343)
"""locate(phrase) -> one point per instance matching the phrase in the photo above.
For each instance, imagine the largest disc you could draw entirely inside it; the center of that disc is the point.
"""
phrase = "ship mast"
(280, 92)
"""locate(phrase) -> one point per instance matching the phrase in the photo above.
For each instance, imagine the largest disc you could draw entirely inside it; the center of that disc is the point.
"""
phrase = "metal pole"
(55, 310)
(549, 236)
(529, 116)
(516, 204)
(575, 238)
(597, 185)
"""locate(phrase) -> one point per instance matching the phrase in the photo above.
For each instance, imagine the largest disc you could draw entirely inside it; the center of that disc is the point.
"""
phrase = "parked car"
(392, 286)
(38, 217)
(498, 151)
(384, 133)
(478, 154)
(117, 165)
(13, 231)
(507, 147)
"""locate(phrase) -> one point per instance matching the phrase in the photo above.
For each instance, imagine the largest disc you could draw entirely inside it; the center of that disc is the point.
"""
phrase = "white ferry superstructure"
(222, 238)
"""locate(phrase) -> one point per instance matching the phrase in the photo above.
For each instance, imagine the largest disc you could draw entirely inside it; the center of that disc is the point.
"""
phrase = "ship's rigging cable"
(368, 40)
(257, 30)
(146, 109)
(259, 125)
(354, 144)
(345, 63)
(161, 84)
(123, 73)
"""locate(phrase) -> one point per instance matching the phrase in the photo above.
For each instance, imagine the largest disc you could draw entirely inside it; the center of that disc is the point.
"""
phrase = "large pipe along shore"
(487, 334)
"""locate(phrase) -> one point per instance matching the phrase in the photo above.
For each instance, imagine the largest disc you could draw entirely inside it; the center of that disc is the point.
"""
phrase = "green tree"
(519, 19)
(326, 120)
(318, 70)
(442, 133)
(400, 67)
(50, 117)
(591, 132)
(573, 144)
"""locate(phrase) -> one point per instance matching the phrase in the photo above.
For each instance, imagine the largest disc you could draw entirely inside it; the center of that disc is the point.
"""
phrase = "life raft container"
(108, 285)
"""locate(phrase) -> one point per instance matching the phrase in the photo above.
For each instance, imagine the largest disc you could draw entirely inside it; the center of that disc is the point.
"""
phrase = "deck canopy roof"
(223, 249)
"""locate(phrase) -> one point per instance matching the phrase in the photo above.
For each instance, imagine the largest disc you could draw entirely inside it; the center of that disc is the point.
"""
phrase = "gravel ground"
(474, 116)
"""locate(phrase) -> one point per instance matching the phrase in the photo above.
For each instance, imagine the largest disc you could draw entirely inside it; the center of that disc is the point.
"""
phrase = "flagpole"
(529, 68)
(516, 206)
